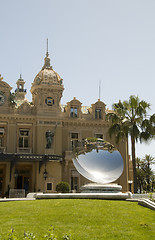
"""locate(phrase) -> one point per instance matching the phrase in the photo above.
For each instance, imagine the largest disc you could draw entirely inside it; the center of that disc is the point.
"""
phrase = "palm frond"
(114, 129)
(134, 131)
(145, 136)
(152, 118)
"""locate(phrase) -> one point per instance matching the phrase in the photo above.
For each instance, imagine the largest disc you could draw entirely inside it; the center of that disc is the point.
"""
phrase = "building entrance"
(2, 182)
(23, 183)
(23, 178)
(74, 180)
(1, 186)
(74, 183)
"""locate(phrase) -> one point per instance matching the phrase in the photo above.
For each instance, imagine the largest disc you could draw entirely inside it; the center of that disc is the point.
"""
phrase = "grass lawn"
(84, 219)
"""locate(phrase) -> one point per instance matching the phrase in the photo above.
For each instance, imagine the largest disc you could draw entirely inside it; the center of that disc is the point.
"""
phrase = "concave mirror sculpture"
(98, 160)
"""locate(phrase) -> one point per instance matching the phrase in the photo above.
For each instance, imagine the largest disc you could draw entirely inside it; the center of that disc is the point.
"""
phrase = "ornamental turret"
(20, 91)
(47, 89)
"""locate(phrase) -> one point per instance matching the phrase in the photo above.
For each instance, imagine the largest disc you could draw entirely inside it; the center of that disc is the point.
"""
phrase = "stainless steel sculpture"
(98, 161)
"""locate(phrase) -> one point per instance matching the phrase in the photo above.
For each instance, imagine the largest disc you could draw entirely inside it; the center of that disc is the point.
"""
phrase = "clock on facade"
(49, 101)
(2, 98)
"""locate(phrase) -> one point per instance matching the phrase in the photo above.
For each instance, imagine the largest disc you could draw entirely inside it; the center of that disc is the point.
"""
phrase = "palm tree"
(130, 119)
(148, 160)
(140, 174)
(145, 175)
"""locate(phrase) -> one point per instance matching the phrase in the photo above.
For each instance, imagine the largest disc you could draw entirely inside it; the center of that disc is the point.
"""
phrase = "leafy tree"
(130, 119)
(140, 175)
(153, 183)
(145, 175)
(147, 161)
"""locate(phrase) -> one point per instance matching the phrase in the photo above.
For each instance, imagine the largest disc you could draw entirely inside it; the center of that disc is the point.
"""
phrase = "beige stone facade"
(36, 139)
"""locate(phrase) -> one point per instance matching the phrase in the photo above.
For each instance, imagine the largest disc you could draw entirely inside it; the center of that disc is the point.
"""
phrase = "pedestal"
(49, 151)
(101, 188)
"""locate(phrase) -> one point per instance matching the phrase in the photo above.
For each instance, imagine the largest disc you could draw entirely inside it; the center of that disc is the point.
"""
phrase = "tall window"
(74, 180)
(1, 137)
(23, 138)
(49, 186)
(73, 112)
(98, 113)
(74, 139)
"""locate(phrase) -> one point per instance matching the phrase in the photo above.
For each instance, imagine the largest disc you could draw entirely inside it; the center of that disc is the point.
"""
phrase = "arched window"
(98, 113)
(73, 112)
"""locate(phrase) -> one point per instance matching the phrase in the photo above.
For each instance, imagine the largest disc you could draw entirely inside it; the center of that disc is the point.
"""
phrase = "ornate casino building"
(37, 138)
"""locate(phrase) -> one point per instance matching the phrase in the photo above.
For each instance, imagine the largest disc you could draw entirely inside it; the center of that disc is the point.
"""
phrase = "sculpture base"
(103, 196)
(101, 188)
(90, 191)
(49, 151)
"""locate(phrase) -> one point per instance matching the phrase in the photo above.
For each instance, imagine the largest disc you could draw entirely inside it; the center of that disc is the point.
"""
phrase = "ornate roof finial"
(1, 78)
(20, 78)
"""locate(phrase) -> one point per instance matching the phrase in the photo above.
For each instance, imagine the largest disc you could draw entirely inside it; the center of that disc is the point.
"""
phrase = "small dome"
(4, 85)
(47, 76)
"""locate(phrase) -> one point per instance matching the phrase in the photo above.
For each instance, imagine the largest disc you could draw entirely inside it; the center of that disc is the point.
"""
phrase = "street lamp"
(16, 173)
(45, 174)
(130, 182)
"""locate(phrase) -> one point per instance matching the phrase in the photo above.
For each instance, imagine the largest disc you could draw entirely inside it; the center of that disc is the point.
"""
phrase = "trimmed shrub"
(63, 187)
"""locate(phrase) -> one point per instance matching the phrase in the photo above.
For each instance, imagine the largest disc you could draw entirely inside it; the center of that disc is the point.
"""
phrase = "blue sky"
(112, 41)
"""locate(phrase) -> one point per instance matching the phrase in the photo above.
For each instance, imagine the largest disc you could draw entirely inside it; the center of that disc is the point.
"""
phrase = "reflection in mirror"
(98, 160)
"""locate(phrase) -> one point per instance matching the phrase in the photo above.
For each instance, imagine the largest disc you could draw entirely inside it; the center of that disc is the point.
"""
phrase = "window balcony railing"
(68, 154)
(2, 149)
(24, 150)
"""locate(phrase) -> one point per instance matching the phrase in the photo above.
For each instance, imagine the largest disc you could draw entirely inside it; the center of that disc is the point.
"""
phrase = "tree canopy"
(130, 119)
(145, 175)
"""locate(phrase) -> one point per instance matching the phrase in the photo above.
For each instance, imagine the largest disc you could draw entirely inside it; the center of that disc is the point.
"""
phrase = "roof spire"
(99, 90)
(47, 59)
(47, 49)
